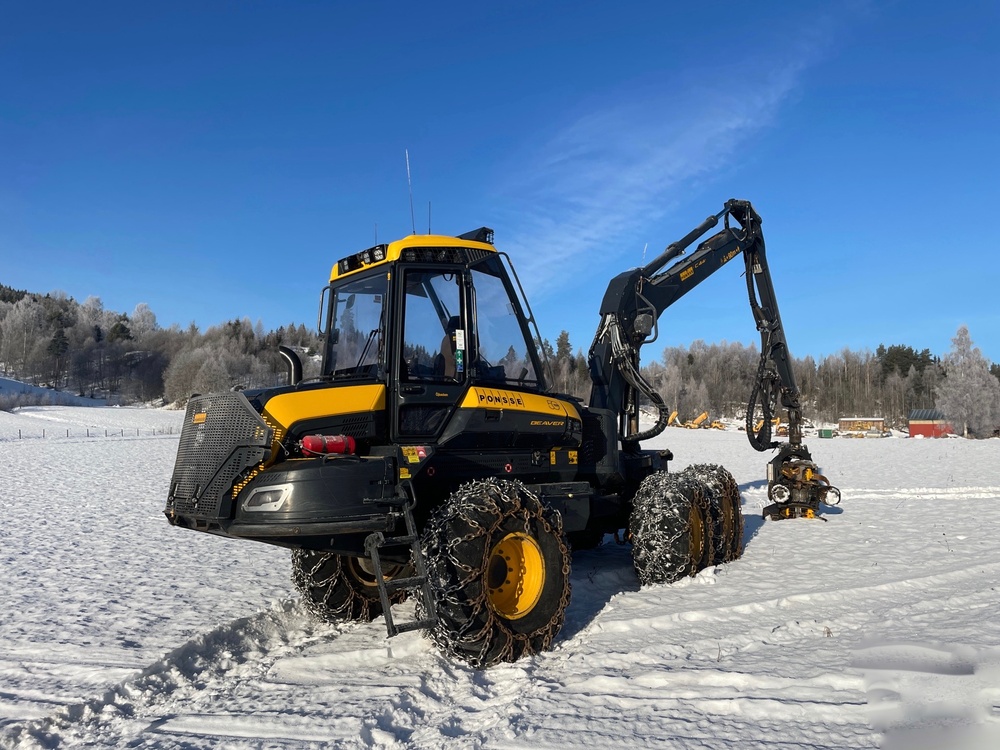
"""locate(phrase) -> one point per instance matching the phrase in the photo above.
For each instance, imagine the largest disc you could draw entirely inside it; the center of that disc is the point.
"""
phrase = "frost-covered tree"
(143, 321)
(213, 376)
(23, 331)
(969, 395)
(179, 377)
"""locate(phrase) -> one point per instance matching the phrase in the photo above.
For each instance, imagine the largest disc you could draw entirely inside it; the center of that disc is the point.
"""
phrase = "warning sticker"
(414, 454)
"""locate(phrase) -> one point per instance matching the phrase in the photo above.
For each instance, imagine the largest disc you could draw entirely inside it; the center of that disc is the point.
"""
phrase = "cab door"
(432, 352)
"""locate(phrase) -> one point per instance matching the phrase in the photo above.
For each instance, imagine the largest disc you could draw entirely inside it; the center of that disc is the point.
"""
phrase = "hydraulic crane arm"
(632, 306)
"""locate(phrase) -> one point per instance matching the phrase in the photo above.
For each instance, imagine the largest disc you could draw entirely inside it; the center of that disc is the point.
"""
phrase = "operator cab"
(439, 321)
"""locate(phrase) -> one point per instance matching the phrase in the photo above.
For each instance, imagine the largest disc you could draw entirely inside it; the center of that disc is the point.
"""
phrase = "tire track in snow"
(242, 649)
(230, 686)
(684, 659)
(944, 585)
(618, 670)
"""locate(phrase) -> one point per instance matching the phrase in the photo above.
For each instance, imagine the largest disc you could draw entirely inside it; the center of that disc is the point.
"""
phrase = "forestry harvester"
(431, 459)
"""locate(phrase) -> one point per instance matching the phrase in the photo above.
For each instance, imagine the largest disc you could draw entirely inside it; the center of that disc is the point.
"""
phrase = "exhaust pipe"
(294, 364)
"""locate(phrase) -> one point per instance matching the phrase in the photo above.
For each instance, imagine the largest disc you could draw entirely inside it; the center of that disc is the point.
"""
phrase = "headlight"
(264, 499)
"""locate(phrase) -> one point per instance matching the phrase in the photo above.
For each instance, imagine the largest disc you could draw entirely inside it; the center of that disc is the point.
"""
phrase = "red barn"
(929, 423)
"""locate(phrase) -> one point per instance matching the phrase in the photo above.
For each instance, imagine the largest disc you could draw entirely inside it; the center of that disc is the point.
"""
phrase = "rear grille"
(223, 437)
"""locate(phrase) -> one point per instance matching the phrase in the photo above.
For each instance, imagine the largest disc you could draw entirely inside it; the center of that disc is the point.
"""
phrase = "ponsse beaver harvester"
(430, 458)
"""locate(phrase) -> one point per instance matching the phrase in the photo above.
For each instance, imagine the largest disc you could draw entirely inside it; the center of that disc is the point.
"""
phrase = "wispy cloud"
(623, 165)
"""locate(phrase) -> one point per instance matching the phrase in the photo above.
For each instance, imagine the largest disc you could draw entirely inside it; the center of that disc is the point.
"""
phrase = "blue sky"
(213, 160)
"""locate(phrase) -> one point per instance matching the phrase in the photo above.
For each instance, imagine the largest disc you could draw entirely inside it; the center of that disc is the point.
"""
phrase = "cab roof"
(421, 247)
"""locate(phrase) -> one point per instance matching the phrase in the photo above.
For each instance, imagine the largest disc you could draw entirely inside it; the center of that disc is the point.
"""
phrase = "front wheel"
(498, 563)
(338, 588)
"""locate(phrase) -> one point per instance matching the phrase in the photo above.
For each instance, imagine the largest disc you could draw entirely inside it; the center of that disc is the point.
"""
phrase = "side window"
(502, 348)
(433, 339)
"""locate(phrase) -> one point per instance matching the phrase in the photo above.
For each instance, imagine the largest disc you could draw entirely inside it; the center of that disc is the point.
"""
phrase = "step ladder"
(416, 585)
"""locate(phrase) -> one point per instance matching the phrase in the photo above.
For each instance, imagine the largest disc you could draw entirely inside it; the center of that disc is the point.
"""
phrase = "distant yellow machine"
(775, 422)
(697, 421)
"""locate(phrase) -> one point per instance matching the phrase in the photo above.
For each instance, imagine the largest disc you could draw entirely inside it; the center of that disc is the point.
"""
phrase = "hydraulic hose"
(623, 360)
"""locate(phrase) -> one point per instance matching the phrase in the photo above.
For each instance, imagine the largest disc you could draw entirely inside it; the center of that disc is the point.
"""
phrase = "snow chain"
(329, 594)
(488, 509)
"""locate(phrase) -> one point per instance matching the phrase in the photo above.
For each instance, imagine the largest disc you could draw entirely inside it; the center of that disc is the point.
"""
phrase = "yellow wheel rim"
(515, 575)
(728, 519)
(362, 571)
(697, 545)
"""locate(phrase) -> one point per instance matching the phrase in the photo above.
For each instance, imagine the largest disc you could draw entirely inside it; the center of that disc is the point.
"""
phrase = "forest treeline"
(54, 341)
(128, 358)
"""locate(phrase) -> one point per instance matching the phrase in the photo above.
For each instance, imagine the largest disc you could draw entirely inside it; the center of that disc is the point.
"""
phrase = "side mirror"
(320, 328)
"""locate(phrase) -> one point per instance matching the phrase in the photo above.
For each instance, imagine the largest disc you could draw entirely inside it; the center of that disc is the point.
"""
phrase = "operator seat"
(444, 363)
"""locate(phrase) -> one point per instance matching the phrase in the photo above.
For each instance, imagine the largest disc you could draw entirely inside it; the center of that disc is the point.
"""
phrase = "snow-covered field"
(879, 626)
(14, 388)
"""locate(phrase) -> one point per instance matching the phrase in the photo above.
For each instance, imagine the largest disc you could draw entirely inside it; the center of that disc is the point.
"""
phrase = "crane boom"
(630, 310)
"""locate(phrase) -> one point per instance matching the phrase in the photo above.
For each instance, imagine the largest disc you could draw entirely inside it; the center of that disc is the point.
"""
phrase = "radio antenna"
(428, 217)
(376, 232)
(409, 184)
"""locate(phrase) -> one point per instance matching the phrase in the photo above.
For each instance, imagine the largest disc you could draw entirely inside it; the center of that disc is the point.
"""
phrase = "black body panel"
(223, 438)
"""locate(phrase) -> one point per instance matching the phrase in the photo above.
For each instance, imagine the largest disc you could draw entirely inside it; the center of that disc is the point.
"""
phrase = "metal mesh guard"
(222, 437)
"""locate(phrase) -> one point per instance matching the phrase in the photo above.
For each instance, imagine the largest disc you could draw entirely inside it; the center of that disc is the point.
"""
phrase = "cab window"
(433, 336)
(502, 348)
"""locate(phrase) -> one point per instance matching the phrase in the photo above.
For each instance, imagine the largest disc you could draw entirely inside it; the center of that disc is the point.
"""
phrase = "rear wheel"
(726, 509)
(498, 563)
(337, 588)
(671, 528)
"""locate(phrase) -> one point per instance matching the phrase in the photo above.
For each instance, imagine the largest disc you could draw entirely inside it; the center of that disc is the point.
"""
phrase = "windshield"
(354, 342)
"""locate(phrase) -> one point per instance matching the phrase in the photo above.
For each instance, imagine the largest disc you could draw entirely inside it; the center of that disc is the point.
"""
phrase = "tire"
(727, 510)
(338, 588)
(670, 528)
(498, 564)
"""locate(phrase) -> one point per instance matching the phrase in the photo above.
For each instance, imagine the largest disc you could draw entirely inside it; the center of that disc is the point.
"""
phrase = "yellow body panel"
(395, 250)
(479, 397)
(288, 408)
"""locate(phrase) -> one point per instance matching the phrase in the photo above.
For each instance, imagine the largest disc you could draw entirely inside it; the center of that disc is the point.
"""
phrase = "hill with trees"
(85, 349)
(54, 341)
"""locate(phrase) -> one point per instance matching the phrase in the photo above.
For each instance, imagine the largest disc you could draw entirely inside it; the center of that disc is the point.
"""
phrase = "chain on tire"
(672, 536)
(337, 588)
(499, 565)
(726, 506)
